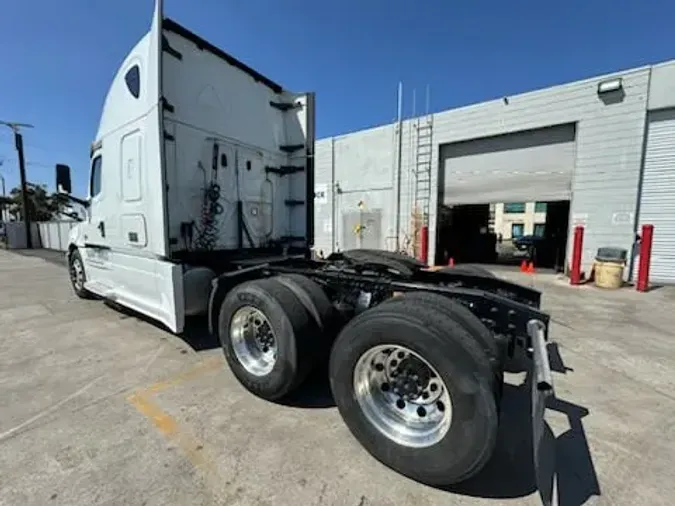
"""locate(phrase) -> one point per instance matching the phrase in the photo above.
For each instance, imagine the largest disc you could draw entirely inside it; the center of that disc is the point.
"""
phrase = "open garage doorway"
(504, 233)
(506, 198)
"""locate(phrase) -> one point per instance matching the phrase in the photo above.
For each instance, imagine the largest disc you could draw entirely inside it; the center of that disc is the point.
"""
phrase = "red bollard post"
(577, 248)
(424, 244)
(645, 257)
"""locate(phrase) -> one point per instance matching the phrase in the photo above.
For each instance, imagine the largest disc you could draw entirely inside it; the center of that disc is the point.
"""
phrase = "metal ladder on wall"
(422, 170)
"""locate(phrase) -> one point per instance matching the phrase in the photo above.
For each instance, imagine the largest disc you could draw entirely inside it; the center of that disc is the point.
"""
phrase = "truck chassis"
(416, 356)
(410, 349)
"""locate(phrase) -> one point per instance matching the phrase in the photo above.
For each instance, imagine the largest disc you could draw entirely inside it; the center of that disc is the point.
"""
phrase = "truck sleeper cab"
(201, 203)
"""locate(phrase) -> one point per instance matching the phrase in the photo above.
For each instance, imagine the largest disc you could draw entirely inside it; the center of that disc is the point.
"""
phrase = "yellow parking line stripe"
(205, 366)
(167, 425)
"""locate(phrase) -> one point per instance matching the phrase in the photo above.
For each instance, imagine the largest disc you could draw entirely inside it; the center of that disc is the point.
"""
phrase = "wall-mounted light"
(610, 86)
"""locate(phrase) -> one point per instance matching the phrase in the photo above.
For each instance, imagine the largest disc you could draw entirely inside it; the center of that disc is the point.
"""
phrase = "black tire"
(402, 264)
(459, 361)
(469, 322)
(317, 303)
(294, 330)
(75, 259)
(475, 270)
(411, 262)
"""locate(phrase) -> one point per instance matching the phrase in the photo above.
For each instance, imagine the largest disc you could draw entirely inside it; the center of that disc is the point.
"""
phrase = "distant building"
(516, 219)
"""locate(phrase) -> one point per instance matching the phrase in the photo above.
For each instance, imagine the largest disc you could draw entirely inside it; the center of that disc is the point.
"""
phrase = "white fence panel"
(16, 235)
(49, 235)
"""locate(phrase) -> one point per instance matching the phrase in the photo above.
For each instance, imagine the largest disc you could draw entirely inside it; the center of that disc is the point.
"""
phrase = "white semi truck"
(200, 202)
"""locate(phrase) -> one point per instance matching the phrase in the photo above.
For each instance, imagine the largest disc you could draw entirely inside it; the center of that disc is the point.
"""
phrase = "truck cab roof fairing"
(115, 111)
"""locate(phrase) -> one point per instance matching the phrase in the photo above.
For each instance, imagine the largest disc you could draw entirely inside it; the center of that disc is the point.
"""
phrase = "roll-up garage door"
(534, 165)
(657, 197)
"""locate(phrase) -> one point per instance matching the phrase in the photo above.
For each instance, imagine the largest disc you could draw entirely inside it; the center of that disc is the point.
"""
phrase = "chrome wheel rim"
(77, 273)
(253, 341)
(402, 396)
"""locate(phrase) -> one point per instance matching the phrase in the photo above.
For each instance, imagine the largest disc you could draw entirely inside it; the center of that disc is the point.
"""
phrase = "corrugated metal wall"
(657, 197)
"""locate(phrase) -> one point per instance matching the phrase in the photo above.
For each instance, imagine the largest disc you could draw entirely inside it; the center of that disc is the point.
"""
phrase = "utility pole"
(18, 142)
(4, 195)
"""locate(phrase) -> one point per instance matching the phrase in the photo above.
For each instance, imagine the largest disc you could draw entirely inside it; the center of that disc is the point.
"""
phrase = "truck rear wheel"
(469, 322)
(416, 391)
(313, 298)
(268, 337)
(320, 308)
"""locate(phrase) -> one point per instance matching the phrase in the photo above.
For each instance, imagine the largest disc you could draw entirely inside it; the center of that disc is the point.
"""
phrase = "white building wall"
(609, 140)
(361, 168)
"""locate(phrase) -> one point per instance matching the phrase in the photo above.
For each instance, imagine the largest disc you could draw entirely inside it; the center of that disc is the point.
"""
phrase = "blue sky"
(58, 58)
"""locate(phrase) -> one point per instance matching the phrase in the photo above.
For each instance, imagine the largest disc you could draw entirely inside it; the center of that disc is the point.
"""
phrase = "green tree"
(42, 206)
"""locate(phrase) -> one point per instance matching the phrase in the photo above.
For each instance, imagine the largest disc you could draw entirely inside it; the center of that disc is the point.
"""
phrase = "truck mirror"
(63, 184)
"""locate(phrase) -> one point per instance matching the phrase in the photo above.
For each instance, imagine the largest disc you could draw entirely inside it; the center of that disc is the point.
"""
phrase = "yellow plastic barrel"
(609, 274)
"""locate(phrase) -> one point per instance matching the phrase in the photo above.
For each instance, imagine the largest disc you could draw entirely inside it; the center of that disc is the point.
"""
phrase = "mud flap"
(541, 384)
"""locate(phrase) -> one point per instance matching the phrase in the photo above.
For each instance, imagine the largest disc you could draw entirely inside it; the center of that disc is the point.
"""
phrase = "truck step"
(291, 148)
(284, 170)
(100, 288)
(286, 106)
(294, 202)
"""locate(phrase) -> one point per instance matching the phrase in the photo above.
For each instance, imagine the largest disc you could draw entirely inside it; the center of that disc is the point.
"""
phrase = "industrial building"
(598, 152)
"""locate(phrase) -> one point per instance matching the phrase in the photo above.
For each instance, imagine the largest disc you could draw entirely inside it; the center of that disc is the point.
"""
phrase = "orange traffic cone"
(530, 268)
(451, 262)
(523, 266)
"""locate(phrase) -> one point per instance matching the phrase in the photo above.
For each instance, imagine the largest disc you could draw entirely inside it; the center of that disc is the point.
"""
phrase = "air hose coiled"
(207, 230)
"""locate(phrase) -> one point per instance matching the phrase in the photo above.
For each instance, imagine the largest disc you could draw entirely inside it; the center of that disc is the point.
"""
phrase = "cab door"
(96, 238)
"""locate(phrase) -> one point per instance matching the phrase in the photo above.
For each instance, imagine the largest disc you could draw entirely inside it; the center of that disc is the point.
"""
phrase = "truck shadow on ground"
(48, 255)
(511, 472)
(196, 334)
(566, 468)
(313, 393)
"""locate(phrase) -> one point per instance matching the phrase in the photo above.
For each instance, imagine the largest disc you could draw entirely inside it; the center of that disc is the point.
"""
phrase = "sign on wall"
(321, 194)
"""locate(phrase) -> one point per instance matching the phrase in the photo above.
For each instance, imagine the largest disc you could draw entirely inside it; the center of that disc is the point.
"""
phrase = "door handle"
(101, 227)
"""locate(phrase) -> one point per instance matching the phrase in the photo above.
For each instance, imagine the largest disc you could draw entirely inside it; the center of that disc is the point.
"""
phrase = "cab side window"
(95, 182)
(133, 80)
